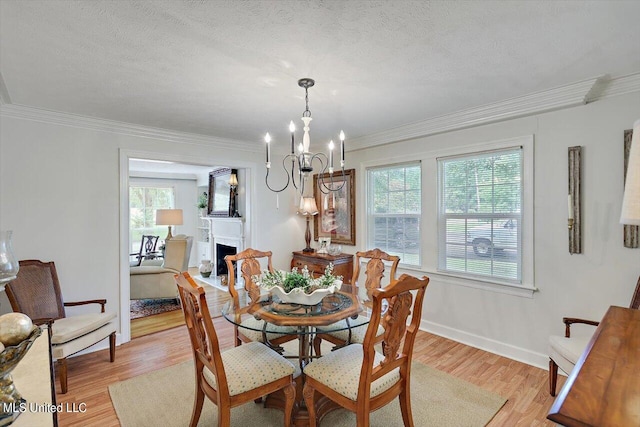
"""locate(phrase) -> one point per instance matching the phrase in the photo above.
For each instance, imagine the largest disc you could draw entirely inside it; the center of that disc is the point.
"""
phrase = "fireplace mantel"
(226, 231)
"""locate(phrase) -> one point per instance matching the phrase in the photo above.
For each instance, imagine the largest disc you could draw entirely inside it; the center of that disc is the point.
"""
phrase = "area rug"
(148, 307)
(165, 397)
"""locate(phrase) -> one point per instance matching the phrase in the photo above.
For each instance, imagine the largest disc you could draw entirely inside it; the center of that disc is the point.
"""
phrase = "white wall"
(569, 285)
(60, 190)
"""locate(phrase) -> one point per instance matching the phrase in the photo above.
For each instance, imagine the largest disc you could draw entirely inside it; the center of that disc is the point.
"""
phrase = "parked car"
(486, 240)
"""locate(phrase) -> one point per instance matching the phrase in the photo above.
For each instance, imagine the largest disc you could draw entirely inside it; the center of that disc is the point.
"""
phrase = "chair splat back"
(250, 266)
(204, 340)
(375, 268)
(401, 304)
(36, 291)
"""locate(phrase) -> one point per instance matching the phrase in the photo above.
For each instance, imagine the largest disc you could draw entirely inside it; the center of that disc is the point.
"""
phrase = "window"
(143, 202)
(480, 214)
(393, 217)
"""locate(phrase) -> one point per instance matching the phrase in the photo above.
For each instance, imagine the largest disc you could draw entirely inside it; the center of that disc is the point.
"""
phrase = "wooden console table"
(342, 264)
(604, 387)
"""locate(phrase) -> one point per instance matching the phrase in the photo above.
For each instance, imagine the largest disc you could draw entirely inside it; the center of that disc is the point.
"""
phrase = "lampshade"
(308, 206)
(168, 216)
(631, 199)
(233, 179)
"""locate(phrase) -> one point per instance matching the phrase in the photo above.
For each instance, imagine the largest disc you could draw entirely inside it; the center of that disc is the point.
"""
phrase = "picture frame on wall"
(336, 217)
(219, 193)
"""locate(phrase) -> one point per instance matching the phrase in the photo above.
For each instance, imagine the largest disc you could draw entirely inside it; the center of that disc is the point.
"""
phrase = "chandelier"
(302, 162)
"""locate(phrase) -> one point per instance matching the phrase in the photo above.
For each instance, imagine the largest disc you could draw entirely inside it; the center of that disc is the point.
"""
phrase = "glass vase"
(8, 264)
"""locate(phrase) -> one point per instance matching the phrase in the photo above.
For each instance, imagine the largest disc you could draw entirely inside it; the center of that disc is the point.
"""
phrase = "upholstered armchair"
(564, 351)
(153, 279)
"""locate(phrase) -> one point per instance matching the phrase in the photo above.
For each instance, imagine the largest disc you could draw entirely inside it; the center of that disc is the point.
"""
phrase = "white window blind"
(393, 212)
(480, 214)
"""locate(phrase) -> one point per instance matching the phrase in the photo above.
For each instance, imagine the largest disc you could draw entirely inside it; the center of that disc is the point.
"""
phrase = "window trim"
(527, 236)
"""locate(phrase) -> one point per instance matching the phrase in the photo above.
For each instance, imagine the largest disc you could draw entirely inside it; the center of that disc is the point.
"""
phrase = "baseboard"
(519, 354)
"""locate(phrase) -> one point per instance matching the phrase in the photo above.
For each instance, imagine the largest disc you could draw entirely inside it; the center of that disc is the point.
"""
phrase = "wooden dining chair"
(360, 379)
(36, 293)
(249, 331)
(147, 250)
(235, 376)
(377, 262)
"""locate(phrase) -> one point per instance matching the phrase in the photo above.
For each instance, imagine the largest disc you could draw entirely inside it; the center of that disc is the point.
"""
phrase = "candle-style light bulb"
(300, 147)
(331, 147)
(341, 148)
(292, 129)
(267, 139)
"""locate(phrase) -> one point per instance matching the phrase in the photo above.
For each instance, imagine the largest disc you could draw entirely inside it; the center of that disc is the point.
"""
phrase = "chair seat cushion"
(151, 269)
(255, 334)
(357, 332)
(250, 366)
(87, 340)
(70, 328)
(566, 351)
(340, 371)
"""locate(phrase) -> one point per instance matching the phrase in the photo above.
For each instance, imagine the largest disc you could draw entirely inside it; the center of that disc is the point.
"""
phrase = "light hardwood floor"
(526, 387)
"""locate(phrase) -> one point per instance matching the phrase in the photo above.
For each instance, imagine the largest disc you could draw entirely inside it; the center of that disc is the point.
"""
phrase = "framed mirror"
(219, 193)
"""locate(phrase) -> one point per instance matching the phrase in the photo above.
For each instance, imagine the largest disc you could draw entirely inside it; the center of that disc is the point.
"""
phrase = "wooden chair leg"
(224, 417)
(290, 396)
(317, 343)
(308, 393)
(197, 406)
(62, 370)
(405, 406)
(553, 377)
(112, 347)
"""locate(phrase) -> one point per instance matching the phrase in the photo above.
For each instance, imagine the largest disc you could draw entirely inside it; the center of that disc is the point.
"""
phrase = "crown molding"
(552, 99)
(618, 86)
(122, 128)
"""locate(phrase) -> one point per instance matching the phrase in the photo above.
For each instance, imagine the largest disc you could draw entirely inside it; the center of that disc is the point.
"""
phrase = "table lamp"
(631, 200)
(169, 217)
(308, 209)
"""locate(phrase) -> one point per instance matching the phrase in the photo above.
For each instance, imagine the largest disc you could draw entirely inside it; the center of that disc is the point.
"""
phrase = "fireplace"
(221, 252)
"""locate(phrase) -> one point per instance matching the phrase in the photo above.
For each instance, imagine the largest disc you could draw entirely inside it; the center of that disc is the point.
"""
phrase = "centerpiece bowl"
(298, 295)
(299, 287)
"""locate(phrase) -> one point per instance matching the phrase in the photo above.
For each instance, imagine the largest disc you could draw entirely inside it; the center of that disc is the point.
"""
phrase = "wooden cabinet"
(316, 263)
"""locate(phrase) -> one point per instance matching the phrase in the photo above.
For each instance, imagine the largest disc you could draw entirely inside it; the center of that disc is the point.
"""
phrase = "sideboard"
(317, 263)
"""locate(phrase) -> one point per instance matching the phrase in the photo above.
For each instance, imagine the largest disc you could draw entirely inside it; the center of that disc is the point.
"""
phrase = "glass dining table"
(340, 311)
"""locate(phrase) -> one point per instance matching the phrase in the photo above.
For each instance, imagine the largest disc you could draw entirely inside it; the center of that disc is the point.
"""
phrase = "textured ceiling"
(230, 68)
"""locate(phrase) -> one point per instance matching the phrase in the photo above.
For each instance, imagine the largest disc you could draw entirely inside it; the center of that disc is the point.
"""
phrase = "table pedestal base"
(300, 415)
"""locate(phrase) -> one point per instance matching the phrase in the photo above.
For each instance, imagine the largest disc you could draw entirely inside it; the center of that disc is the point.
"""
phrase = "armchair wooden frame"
(29, 294)
(401, 303)
(568, 321)
(374, 273)
(250, 266)
(206, 353)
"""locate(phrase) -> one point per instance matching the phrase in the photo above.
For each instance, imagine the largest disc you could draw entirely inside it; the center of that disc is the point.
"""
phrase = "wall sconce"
(574, 201)
(233, 185)
(630, 216)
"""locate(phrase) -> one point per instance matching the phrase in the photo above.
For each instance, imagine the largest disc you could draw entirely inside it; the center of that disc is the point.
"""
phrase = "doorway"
(168, 169)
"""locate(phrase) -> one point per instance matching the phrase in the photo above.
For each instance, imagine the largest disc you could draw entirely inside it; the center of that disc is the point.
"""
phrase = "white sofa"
(153, 279)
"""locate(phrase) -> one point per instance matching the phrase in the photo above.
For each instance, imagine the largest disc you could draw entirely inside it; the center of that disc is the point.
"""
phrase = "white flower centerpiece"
(299, 286)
